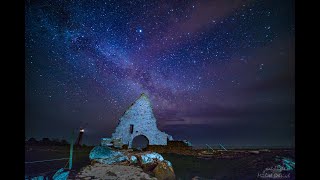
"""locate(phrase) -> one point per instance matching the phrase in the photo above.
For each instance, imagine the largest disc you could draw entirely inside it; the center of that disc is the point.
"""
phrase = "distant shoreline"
(193, 148)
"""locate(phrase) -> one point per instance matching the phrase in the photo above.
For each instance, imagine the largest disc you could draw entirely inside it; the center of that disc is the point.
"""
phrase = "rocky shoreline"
(115, 163)
(107, 163)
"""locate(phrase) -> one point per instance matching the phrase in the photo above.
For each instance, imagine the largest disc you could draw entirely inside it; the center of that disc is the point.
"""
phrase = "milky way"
(215, 71)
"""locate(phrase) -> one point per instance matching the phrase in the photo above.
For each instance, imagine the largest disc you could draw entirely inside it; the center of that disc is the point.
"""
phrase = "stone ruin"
(138, 120)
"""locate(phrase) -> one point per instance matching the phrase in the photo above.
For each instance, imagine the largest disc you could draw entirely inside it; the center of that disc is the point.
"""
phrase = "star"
(189, 61)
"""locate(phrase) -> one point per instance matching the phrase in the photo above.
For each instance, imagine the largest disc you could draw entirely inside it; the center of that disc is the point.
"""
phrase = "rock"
(149, 167)
(187, 143)
(164, 171)
(151, 157)
(117, 143)
(149, 161)
(113, 159)
(286, 163)
(81, 176)
(254, 152)
(168, 162)
(106, 142)
(133, 159)
(61, 175)
(100, 152)
(289, 163)
(106, 156)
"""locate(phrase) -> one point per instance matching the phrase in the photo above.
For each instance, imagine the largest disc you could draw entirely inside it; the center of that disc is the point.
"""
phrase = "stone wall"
(141, 116)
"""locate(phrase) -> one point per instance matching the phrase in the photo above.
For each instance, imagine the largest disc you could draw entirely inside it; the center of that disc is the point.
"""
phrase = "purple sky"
(216, 72)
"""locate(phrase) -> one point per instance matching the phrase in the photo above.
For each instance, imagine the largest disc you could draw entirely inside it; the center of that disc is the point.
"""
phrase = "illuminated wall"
(139, 120)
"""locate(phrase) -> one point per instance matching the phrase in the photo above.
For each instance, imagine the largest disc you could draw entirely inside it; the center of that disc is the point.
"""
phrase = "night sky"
(215, 71)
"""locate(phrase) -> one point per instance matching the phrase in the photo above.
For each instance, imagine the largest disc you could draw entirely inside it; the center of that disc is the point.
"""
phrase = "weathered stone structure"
(139, 120)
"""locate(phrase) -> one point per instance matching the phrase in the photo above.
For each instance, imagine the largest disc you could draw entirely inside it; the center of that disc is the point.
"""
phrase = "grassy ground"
(39, 153)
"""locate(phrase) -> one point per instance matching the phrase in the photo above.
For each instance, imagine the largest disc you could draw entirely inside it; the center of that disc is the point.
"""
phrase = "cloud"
(217, 114)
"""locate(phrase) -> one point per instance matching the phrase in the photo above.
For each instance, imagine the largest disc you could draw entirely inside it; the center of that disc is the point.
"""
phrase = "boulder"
(149, 161)
(100, 152)
(149, 167)
(113, 159)
(164, 171)
(287, 164)
(117, 143)
(150, 158)
(133, 159)
(105, 155)
(169, 163)
(106, 142)
(187, 143)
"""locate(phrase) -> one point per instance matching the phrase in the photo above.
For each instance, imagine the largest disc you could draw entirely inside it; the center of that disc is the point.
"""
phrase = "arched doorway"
(140, 142)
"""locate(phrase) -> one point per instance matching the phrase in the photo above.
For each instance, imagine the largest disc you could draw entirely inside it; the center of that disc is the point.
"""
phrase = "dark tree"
(46, 141)
(32, 141)
(64, 142)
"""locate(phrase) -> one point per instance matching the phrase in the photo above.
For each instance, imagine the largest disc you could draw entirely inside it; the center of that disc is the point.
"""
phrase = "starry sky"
(219, 71)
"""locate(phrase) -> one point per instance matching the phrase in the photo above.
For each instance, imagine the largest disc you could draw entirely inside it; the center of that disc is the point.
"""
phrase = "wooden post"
(71, 151)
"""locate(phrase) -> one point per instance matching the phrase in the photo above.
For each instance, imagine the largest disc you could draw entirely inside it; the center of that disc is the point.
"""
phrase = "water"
(248, 167)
